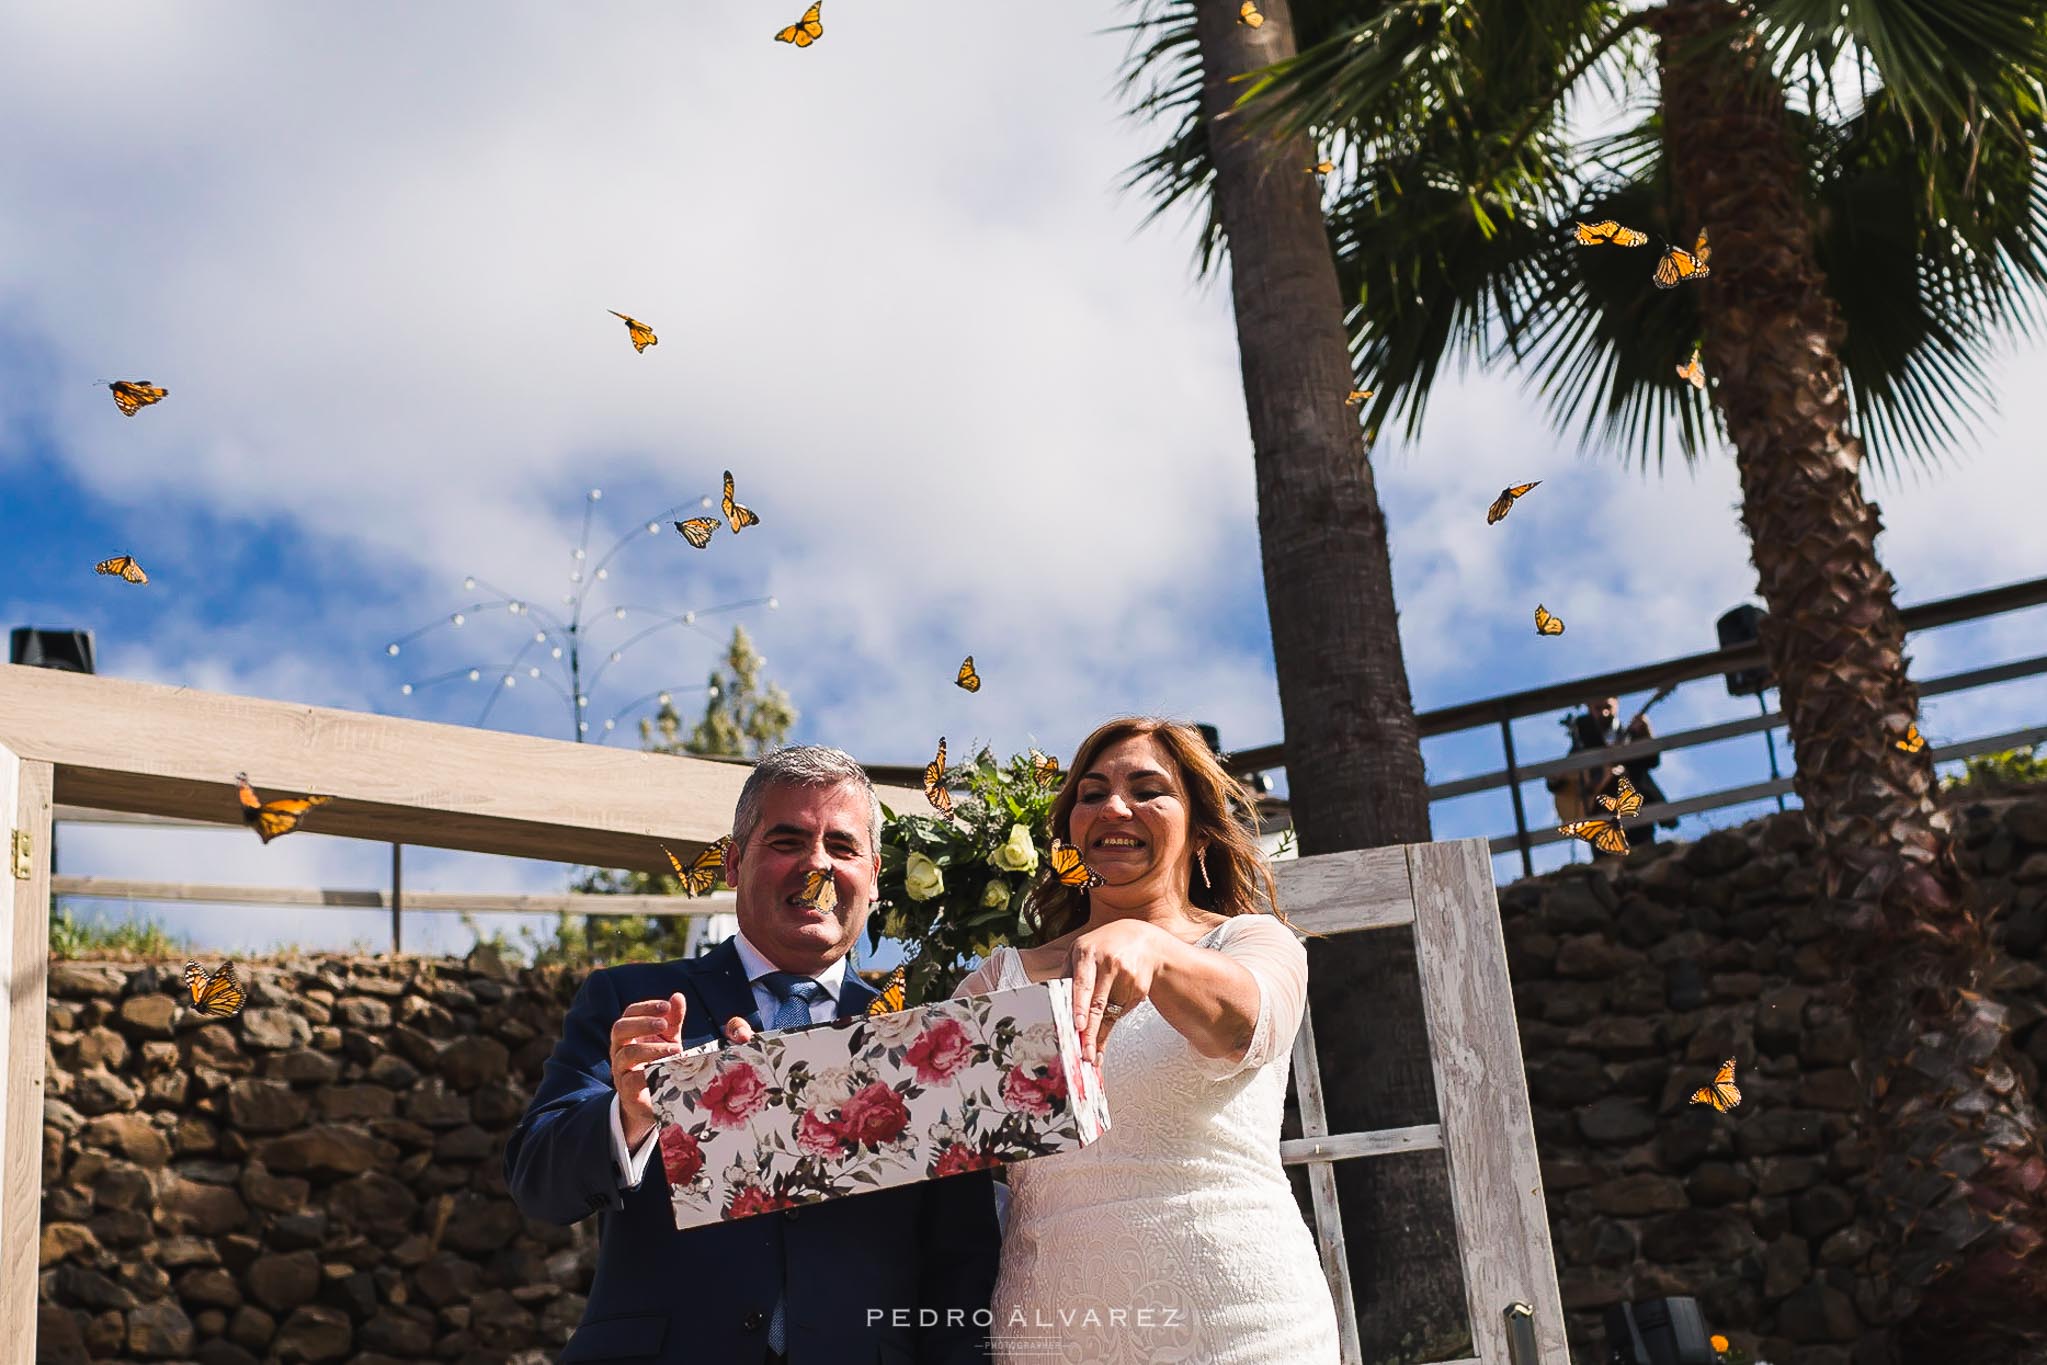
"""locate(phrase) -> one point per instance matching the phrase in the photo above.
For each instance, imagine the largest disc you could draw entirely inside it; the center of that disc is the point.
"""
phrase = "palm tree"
(1870, 174)
(1354, 770)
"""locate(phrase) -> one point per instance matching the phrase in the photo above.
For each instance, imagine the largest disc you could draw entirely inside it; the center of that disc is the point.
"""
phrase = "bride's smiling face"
(1130, 818)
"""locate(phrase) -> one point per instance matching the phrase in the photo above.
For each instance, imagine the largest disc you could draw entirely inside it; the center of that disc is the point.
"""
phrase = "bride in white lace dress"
(1175, 1237)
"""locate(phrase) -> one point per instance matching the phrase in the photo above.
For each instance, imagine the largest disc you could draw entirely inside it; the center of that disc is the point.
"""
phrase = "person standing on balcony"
(1577, 793)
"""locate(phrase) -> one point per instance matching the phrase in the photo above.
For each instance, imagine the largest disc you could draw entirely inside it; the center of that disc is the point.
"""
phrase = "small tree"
(744, 717)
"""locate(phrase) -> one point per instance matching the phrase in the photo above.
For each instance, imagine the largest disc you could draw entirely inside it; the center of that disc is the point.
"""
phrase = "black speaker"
(1742, 626)
(1211, 734)
(70, 650)
(1657, 1332)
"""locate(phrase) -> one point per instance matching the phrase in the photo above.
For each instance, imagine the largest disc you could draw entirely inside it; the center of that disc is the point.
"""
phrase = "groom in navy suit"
(897, 1275)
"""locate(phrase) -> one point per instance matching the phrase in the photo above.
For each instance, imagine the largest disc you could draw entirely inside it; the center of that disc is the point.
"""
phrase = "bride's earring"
(1201, 861)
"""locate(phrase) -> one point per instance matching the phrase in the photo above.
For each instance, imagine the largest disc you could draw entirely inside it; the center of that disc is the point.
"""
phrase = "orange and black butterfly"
(967, 677)
(1545, 623)
(806, 30)
(1248, 15)
(1044, 768)
(216, 995)
(1070, 869)
(1692, 372)
(1678, 265)
(701, 874)
(1913, 741)
(819, 892)
(893, 992)
(1357, 396)
(272, 818)
(1504, 503)
(736, 516)
(1606, 232)
(125, 566)
(697, 530)
(1722, 1094)
(1606, 834)
(131, 396)
(934, 783)
(642, 335)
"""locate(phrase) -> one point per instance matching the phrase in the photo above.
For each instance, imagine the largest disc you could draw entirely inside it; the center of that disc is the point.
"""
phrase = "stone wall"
(1631, 982)
(320, 1179)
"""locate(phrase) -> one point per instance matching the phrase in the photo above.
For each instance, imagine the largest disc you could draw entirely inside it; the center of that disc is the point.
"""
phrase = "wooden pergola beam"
(141, 747)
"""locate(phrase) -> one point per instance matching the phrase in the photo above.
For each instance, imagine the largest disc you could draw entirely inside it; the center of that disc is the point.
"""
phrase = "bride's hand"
(1111, 966)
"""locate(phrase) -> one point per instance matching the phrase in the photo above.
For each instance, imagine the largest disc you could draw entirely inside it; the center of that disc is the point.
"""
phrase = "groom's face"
(804, 829)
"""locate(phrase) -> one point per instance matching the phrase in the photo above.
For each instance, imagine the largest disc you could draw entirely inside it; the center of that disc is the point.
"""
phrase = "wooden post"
(397, 898)
(25, 806)
(1514, 790)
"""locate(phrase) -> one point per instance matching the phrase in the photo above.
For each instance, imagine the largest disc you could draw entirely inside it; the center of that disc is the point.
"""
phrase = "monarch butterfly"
(1044, 768)
(1678, 265)
(125, 566)
(1070, 869)
(1625, 801)
(132, 396)
(1607, 231)
(642, 335)
(697, 530)
(702, 872)
(1722, 1094)
(1605, 835)
(1322, 168)
(272, 818)
(1357, 396)
(1248, 15)
(737, 516)
(1693, 372)
(1913, 741)
(806, 30)
(934, 783)
(1504, 503)
(217, 995)
(1546, 624)
(967, 677)
(819, 892)
(892, 994)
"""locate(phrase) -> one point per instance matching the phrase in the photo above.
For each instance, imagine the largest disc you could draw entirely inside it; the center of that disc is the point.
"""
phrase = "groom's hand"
(648, 1031)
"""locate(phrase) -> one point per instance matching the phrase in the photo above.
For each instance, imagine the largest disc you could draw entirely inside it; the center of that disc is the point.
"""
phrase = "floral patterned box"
(806, 1114)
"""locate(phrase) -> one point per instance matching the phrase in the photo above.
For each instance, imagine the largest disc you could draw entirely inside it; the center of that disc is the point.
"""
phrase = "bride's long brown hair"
(1222, 815)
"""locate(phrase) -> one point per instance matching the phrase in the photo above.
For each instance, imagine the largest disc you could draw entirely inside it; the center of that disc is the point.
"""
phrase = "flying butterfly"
(125, 566)
(700, 875)
(1605, 835)
(1504, 503)
(806, 30)
(1693, 372)
(272, 818)
(131, 396)
(697, 530)
(934, 783)
(1625, 801)
(1546, 624)
(1248, 15)
(1322, 168)
(216, 994)
(967, 677)
(1913, 741)
(642, 335)
(893, 993)
(1607, 232)
(1722, 1094)
(1044, 768)
(1678, 265)
(819, 892)
(736, 516)
(1357, 396)
(1070, 869)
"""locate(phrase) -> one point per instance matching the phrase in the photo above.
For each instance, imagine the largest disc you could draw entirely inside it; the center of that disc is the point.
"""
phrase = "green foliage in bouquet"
(952, 891)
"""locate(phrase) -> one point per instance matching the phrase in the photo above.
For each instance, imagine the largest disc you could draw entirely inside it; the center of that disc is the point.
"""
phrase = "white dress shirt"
(632, 1163)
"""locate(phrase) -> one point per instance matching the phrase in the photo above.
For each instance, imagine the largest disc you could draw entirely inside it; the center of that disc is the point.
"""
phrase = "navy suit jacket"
(705, 1294)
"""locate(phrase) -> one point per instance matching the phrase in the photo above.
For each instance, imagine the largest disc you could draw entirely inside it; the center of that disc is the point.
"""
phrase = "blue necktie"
(796, 994)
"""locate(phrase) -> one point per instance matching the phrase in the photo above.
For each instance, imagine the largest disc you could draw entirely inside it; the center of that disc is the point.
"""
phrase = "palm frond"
(1161, 82)
(1938, 58)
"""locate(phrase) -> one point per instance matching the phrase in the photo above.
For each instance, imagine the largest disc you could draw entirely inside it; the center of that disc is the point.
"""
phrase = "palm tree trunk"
(1354, 770)
(1958, 1183)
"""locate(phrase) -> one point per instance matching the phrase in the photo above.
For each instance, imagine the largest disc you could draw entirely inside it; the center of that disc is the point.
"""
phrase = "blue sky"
(978, 405)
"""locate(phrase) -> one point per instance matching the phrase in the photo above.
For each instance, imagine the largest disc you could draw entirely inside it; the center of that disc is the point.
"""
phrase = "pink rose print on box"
(736, 1096)
(874, 1115)
(681, 1156)
(939, 1052)
(819, 1136)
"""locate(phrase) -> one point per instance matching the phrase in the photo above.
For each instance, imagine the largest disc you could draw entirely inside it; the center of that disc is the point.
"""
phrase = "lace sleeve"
(1279, 964)
(981, 980)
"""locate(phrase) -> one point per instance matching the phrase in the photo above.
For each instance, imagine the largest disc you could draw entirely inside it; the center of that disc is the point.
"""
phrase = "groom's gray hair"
(803, 765)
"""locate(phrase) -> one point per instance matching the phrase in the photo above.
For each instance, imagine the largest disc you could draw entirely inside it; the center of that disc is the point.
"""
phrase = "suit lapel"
(722, 983)
(854, 994)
